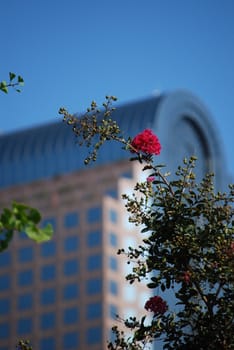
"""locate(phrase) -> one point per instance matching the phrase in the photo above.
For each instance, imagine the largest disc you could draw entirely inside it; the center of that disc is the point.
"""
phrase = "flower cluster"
(157, 305)
(146, 142)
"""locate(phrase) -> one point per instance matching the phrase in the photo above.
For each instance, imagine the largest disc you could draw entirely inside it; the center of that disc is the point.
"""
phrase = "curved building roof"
(181, 121)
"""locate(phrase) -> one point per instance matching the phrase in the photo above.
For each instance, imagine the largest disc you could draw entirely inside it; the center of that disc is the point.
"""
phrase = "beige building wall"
(80, 252)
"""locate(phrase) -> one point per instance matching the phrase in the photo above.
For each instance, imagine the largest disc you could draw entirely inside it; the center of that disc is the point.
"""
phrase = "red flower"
(157, 305)
(146, 142)
(186, 277)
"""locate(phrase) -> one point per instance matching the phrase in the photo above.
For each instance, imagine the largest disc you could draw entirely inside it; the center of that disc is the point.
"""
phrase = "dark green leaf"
(12, 76)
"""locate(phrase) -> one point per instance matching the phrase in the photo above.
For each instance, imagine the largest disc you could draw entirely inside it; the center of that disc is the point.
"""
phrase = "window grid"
(48, 296)
(70, 291)
(25, 254)
(25, 278)
(48, 272)
(70, 267)
(70, 315)
(71, 244)
(94, 286)
(25, 301)
(71, 220)
(94, 262)
(47, 320)
(94, 238)
(48, 249)
(94, 214)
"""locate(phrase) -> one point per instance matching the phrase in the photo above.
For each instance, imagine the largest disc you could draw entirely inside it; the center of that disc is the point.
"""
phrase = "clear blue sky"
(72, 51)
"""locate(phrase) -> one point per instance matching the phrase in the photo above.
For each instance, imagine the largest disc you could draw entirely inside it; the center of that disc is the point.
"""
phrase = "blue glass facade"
(30, 155)
(33, 157)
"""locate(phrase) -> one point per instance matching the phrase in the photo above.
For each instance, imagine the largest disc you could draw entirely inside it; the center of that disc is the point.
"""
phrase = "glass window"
(94, 335)
(70, 315)
(4, 330)
(23, 236)
(71, 340)
(24, 326)
(112, 193)
(5, 258)
(113, 239)
(113, 263)
(71, 220)
(113, 311)
(94, 214)
(5, 282)
(94, 262)
(94, 286)
(48, 296)
(70, 291)
(48, 249)
(94, 310)
(71, 244)
(113, 216)
(113, 287)
(47, 320)
(25, 301)
(47, 343)
(70, 267)
(94, 238)
(25, 254)
(4, 306)
(51, 221)
(48, 272)
(25, 277)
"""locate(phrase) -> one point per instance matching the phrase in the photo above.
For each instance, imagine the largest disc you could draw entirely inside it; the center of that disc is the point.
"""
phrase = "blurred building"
(65, 293)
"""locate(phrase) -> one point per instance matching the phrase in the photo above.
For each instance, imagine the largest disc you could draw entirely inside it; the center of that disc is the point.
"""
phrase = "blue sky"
(73, 51)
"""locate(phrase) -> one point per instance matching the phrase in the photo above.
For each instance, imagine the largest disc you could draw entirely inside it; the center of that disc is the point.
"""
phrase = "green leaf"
(34, 215)
(3, 87)
(20, 80)
(12, 76)
(151, 285)
(39, 235)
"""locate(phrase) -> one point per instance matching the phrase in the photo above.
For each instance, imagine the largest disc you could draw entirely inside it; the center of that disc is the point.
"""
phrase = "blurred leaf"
(3, 87)
(12, 76)
(20, 80)
(39, 235)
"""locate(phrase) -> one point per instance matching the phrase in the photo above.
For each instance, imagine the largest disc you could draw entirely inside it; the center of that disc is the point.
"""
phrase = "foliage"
(23, 345)
(13, 82)
(188, 250)
(22, 218)
(94, 128)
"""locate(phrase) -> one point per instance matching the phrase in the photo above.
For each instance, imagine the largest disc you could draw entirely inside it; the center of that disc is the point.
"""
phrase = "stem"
(204, 298)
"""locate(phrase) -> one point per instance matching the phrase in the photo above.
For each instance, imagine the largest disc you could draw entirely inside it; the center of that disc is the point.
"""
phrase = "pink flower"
(157, 305)
(186, 277)
(150, 178)
(146, 142)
